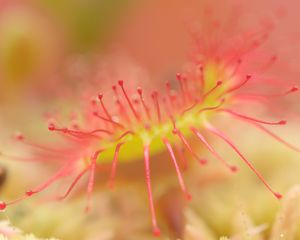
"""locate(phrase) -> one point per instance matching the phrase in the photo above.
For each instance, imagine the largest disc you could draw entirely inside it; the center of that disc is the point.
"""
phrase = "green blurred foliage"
(89, 23)
(39, 37)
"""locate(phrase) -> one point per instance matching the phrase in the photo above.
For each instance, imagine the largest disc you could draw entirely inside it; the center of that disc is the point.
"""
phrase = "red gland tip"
(19, 136)
(188, 197)
(178, 76)
(51, 127)
(87, 209)
(282, 122)
(100, 96)
(219, 83)
(139, 90)
(234, 169)
(168, 84)
(121, 83)
(2, 205)
(114, 87)
(248, 76)
(274, 58)
(203, 161)
(156, 232)
(154, 94)
(29, 193)
(93, 102)
(278, 195)
(294, 89)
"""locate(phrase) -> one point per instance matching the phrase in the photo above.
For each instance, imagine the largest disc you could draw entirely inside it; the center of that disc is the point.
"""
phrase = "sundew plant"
(129, 124)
